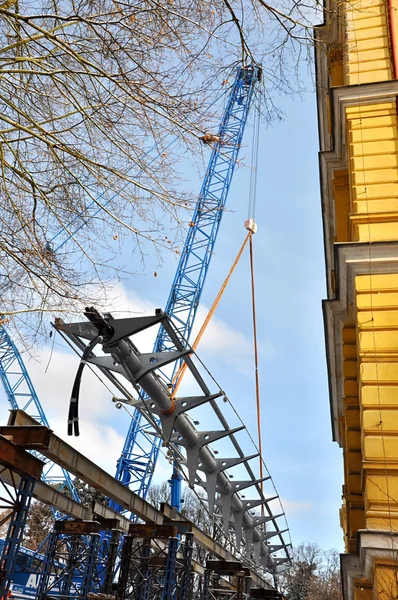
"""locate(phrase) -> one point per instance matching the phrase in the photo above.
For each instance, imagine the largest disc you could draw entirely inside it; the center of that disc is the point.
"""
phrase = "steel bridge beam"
(19, 461)
(60, 452)
(210, 544)
(41, 438)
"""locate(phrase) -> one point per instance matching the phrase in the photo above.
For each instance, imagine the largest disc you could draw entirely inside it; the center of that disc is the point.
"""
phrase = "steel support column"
(15, 532)
(170, 570)
(110, 568)
(186, 579)
(52, 543)
(124, 566)
(74, 548)
(206, 585)
(92, 552)
(143, 582)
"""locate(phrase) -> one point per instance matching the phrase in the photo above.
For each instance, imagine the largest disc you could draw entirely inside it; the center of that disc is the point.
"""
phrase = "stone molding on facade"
(374, 546)
(351, 259)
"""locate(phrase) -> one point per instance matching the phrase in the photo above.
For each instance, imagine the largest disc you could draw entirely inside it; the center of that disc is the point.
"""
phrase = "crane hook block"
(251, 225)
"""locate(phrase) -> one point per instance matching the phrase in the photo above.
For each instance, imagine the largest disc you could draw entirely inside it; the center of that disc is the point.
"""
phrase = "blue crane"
(140, 452)
(21, 394)
(138, 459)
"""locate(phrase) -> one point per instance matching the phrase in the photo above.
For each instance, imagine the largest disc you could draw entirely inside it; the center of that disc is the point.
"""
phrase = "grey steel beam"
(52, 497)
(46, 442)
(211, 545)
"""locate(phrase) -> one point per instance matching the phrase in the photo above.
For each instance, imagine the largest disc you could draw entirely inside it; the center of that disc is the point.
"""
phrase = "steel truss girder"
(126, 356)
(150, 568)
(15, 532)
(76, 561)
(95, 476)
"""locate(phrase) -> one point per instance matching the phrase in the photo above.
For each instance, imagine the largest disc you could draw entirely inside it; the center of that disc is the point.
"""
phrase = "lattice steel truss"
(155, 564)
(22, 394)
(81, 559)
(15, 499)
(169, 418)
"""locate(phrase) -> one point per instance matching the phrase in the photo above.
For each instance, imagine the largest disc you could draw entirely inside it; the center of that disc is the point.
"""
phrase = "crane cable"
(256, 375)
(180, 373)
(251, 220)
(250, 224)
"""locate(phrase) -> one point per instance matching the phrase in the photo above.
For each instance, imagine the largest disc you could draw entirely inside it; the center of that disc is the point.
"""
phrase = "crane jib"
(138, 459)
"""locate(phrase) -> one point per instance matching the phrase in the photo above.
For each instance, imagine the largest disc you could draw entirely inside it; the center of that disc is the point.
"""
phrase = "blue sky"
(297, 444)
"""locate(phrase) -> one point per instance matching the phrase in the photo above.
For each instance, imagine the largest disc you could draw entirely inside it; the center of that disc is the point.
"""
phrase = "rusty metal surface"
(66, 456)
(27, 436)
(72, 460)
(19, 461)
(85, 527)
(265, 594)
(227, 567)
(152, 531)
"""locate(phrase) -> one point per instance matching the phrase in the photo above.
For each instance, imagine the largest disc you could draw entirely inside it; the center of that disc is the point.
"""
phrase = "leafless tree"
(4, 522)
(193, 508)
(39, 525)
(158, 493)
(315, 574)
(92, 94)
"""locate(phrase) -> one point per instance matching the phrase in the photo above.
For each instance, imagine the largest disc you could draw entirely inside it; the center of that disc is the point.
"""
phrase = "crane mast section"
(22, 395)
(190, 276)
(140, 452)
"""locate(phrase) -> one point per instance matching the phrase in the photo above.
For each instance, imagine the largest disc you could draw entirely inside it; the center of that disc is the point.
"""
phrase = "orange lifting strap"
(180, 373)
(251, 226)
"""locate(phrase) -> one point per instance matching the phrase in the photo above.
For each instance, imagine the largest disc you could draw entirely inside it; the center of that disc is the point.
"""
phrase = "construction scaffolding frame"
(156, 557)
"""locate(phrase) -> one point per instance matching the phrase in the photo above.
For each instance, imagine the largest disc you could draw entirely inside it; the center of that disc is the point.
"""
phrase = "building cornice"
(373, 546)
(351, 259)
(333, 151)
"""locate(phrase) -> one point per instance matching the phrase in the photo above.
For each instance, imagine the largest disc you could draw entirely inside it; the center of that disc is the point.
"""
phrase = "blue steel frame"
(136, 465)
(22, 395)
(137, 462)
(15, 533)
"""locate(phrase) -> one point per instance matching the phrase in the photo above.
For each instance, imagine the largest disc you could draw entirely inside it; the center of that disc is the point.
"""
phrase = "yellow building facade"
(357, 89)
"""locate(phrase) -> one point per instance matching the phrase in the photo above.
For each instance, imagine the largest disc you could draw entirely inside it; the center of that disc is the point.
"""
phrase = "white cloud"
(100, 437)
(228, 345)
(220, 342)
(99, 442)
(54, 386)
(294, 507)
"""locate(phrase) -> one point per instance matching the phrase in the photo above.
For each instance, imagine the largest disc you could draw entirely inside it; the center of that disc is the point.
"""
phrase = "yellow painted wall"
(385, 584)
(365, 196)
(377, 333)
(363, 591)
(372, 144)
(341, 194)
(354, 515)
(367, 56)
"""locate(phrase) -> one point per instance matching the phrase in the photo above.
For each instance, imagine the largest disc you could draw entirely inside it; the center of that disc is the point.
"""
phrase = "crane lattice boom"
(137, 462)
